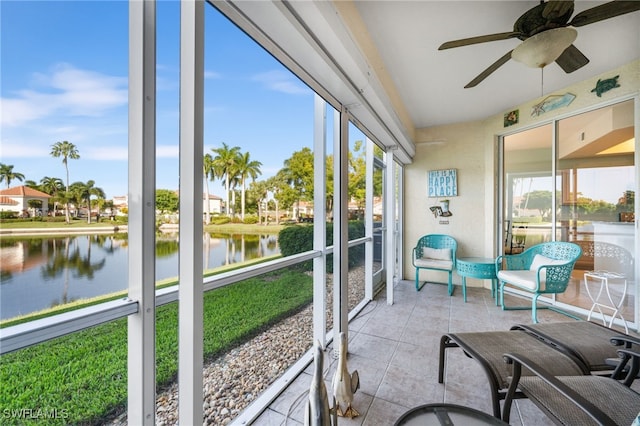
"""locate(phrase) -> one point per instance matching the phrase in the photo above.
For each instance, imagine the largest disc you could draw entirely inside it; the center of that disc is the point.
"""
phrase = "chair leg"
(534, 309)
(417, 279)
(451, 289)
(503, 304)
(494, 290)
(464, 289)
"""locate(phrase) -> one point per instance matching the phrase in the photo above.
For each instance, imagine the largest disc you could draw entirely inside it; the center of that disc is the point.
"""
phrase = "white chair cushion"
(434, 263)
(436, 254)
(521, 278)
(540, 260)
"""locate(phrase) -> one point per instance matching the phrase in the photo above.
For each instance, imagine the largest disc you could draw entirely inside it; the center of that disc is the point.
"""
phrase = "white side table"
(600, 282)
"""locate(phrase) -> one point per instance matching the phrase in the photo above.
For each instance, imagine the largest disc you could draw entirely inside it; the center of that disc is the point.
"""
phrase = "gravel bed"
(234, 380)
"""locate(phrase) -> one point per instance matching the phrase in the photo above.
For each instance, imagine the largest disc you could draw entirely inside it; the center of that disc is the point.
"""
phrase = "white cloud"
(105, 153)
(66, 91)
(20, 150)
(212, 75)
(281, 81)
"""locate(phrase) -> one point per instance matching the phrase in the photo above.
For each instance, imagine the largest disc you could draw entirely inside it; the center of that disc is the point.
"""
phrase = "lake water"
(38, 273)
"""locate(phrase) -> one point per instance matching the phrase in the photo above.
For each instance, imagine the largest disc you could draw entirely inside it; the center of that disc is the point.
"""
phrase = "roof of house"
(7, 201)
(24, 191)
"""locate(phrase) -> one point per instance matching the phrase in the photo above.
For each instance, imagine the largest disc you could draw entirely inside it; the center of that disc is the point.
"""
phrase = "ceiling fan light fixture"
(543, 48)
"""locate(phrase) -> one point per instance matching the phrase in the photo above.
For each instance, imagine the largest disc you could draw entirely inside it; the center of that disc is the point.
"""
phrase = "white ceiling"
(430, 82)
(380, 59)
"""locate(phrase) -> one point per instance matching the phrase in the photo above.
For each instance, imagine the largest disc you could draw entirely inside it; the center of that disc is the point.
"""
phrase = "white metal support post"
(636, 250)
(319, 220)
(368, 220)
(190, 299)
(142, 178)
(340, 228)
(390, 219)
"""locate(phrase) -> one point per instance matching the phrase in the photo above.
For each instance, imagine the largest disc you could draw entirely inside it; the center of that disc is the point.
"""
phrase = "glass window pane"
(528, 189)
(596, 197)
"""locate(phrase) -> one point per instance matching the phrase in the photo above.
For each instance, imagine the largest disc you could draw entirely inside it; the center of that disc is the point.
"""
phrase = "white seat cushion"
(521, 278)
(436, 254)
(434, 263)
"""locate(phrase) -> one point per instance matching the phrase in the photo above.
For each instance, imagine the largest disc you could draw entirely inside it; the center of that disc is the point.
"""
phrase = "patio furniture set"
(576, 372)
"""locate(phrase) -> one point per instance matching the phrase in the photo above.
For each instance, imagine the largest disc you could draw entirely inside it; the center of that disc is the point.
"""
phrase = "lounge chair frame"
(588, 341)
(580, 400)
(488, 349)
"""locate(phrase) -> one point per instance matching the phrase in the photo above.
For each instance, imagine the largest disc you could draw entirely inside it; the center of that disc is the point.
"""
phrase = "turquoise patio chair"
(541, 269)
(435, 252)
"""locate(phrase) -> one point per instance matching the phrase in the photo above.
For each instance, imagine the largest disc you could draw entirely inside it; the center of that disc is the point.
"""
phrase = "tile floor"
(395, 350)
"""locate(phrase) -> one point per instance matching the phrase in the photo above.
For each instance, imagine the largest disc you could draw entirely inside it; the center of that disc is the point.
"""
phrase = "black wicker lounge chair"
(578, 400)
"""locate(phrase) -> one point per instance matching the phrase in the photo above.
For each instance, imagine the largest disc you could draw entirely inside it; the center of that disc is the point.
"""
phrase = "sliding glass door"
(578, 186)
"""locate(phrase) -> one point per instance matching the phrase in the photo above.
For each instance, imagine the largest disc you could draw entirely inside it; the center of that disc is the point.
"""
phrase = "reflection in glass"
(596, 197)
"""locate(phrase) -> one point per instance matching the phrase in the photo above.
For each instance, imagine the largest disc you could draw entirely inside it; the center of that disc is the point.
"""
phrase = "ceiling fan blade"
(572, 59)
(555, 8)
(604, 11)
(484, 74)
(479, 39)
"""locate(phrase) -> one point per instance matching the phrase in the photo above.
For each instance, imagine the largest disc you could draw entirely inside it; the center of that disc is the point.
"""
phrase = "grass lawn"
(82, 377)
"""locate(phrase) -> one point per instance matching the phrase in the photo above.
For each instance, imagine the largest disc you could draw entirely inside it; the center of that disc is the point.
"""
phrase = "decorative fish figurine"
(345, 384)
(317, 411)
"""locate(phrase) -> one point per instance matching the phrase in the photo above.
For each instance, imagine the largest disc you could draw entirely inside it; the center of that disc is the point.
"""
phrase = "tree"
(298, 173)
(167, 201)
(258, 191)
(540, 200)
(223, 166)
(7, 174)
(246, 168)
(83, 192)
(207, 172)
(54, 187)
(65, 150)
(357, 174)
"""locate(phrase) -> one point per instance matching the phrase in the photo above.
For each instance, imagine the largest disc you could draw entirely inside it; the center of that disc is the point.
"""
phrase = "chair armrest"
(499, 263)
(626, 354)
(625, 340)
(579, 401)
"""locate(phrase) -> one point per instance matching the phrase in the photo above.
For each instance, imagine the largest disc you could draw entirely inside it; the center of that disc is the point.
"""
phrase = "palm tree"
(246, 168)
(84, 191)
(7, 174)
(223, 166)
(52, 186)
(207, 169)
(65, 150)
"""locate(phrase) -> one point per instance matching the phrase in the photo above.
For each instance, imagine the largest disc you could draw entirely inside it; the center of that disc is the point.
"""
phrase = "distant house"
(17, 199)
(216, 205)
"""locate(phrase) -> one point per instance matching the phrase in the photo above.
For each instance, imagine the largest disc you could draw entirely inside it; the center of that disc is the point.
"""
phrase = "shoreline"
(55, 231)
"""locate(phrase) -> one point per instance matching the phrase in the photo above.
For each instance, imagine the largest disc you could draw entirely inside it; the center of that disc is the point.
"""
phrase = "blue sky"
(64, 77)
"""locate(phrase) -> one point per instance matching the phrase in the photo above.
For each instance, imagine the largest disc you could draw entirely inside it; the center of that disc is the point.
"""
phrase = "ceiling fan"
(546, 35)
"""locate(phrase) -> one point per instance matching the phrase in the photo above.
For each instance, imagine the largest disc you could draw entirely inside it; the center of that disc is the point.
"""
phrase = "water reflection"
(42, 272)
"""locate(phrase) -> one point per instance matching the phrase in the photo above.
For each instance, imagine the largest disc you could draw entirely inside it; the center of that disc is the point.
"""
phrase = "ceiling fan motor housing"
(536, 20)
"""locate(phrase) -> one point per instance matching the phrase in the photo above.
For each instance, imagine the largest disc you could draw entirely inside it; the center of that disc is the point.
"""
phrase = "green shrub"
(299, 238)
(220, 220)
(7, 215)
(251, 219)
